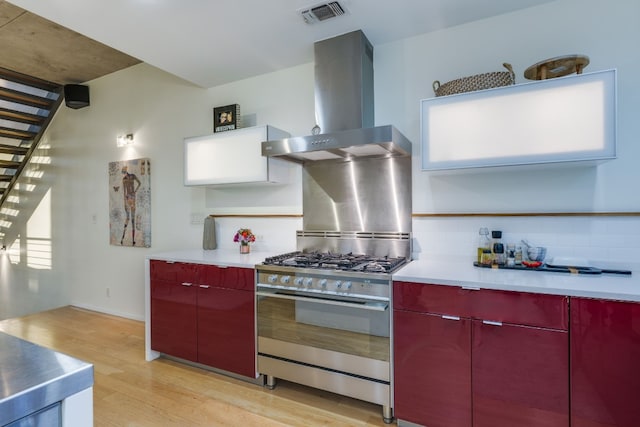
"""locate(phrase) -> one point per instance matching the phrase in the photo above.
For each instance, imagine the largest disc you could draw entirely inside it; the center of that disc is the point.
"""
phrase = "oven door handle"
(368, 305)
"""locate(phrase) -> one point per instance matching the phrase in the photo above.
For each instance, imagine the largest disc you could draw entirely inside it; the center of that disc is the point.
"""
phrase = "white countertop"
(456, 272)
(464, 273)
(221, 257)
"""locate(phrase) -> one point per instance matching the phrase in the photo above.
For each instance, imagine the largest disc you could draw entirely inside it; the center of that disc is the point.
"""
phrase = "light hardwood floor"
(128, 391)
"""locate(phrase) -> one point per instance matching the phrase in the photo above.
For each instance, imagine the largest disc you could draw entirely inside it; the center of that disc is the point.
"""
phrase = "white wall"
(161, 109)
(405, 71)
(607, 35)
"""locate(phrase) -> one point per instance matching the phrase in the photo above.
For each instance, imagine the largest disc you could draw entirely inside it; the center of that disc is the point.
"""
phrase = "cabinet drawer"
(226, 277)
(437, 299)
(521, 308)
(172, 271)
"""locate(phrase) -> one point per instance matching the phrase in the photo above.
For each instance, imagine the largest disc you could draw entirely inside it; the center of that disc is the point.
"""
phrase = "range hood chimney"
(344, 82)
(344, 105)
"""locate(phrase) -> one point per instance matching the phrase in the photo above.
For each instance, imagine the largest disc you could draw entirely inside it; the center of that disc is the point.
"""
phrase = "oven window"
(352, 330)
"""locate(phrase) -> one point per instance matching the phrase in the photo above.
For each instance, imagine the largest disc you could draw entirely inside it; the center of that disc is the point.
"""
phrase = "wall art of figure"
(130, 203)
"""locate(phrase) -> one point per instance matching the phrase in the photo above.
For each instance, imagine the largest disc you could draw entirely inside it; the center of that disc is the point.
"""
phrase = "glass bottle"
(511, 255)
(518, 259)
(484, 244)
(498, 248)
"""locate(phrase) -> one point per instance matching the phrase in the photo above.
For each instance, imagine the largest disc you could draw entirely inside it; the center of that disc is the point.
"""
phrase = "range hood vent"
(344, 109)
(322, 12)
(381, 141)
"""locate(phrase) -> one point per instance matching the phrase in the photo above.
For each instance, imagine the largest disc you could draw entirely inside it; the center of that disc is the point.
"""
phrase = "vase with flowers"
(244, 236)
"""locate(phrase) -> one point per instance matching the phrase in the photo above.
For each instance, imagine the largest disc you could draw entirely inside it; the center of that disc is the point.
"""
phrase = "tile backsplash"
(598, 239)
(610, 239)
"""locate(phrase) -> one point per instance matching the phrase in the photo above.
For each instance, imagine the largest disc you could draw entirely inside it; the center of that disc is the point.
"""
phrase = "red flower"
(244, 235)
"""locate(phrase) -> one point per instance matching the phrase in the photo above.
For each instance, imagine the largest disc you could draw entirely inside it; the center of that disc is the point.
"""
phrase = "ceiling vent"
(322, 12)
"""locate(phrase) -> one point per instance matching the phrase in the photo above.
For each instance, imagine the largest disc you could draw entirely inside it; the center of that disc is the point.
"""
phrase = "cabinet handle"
(186, 284)
(492, 322)
(470, 288)
(204, 286)
(450, 317)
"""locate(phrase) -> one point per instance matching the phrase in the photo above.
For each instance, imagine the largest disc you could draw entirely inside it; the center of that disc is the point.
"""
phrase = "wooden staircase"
(27, 106)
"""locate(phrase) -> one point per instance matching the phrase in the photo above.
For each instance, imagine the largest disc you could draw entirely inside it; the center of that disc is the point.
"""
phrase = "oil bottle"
(484, 247)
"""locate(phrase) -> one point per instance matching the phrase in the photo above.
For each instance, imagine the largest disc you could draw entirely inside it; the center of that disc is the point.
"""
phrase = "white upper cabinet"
(233, 157)
(566, 119)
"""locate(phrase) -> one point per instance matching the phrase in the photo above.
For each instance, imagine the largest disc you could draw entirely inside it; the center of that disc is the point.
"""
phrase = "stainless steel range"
(324, 319)
(324, 311)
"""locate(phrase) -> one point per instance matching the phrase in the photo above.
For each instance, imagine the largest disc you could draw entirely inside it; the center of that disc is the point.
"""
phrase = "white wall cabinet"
(233, 157)
(566, 119)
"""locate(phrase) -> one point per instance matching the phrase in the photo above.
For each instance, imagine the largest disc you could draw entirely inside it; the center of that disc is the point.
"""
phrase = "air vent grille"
(322, 12)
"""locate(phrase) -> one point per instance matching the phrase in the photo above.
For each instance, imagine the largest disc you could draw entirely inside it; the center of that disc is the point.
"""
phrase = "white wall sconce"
(124, 140)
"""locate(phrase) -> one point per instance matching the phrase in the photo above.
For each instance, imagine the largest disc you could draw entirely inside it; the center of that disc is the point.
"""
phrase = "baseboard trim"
(107, 311)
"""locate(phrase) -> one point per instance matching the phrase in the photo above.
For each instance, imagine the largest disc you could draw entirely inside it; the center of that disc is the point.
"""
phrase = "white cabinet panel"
(567, 119)
(232, 157)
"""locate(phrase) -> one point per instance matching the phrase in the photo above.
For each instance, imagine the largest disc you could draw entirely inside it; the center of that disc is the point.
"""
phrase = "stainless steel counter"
(33, 377)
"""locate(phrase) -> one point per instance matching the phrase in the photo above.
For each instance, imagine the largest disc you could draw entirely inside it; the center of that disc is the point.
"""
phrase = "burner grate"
(335, 261)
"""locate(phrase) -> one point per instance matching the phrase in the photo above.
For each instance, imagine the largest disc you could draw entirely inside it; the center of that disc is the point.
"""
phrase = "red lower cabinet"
(520, 376)
(204, 314)
(433, 369)
(174, 310)
(226, 330)
(605, 363)
(480, 358)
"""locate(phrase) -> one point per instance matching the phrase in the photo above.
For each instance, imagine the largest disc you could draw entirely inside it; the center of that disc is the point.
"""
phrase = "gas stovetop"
(351, 262)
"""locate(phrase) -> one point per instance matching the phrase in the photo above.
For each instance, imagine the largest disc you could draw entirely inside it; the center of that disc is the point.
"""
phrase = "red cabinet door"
(432, 369)
(226, 319)
(226, 333)
(520, 376)
(173, 309)
(605, 363)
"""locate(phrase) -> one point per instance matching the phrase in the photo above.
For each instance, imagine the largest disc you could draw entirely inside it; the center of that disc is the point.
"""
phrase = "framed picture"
(130, 203)
(226, 118)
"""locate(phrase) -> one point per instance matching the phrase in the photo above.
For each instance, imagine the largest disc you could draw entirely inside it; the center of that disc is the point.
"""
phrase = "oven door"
(331, 332)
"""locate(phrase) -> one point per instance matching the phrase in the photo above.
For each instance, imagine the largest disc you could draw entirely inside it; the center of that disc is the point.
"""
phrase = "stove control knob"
(273, 278)
(285, 279)
(323, 283)
(347, 285)
(298, 281)
(308, 281)
(338, 284)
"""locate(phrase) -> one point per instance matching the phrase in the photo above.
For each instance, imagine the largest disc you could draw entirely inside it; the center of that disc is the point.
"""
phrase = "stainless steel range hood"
(381, 141)
(344, 108)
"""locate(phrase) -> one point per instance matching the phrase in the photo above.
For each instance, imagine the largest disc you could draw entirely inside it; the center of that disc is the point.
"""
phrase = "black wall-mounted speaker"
(76, 96)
